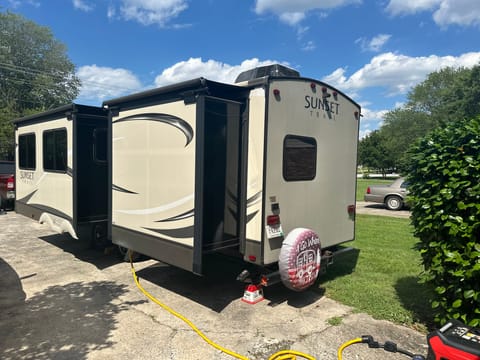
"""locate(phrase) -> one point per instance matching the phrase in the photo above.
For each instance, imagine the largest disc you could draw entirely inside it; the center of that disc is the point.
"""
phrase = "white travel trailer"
(263, 170)
(61, 169)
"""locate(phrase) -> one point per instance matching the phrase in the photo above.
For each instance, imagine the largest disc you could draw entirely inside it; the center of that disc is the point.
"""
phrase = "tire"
(98, 237)
(394, 202)
(299, 259)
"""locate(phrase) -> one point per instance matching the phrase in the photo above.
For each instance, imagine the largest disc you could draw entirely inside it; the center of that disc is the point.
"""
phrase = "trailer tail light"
(10, 183)
(351, 211)
(368, 190)
(273, 220)
(252, 258)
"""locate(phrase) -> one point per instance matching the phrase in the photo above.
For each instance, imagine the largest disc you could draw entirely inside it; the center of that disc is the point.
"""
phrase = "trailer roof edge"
(73, 107)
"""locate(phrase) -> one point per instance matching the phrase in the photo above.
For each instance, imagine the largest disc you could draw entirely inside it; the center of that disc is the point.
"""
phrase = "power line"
(28, 71)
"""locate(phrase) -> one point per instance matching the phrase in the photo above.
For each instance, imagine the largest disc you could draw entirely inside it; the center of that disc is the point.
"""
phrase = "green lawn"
(381, 279)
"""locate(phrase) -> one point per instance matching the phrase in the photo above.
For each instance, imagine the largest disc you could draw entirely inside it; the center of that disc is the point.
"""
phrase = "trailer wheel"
(393, 202)
(299, 261)
(99, 237)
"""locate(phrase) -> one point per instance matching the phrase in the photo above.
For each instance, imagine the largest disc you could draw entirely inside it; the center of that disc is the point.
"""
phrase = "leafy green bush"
(444, 176)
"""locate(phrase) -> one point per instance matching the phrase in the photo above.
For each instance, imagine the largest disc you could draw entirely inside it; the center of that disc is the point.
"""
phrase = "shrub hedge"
(444, 187)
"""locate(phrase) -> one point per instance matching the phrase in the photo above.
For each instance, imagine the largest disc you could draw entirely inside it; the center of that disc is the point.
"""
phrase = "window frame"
(26, 166)
(56, 144)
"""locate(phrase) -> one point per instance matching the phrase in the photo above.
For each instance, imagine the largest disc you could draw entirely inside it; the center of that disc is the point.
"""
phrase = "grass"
(335, 321)
(381, 278)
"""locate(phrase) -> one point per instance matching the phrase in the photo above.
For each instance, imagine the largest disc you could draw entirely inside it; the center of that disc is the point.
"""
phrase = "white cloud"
(100, 83)
(292, 18)
(309, 46)
(397, 73)
(148, 12)
(408, 7)
(375, 44)
(371, 119)
(82, 5)
(292, 12)
(210, 69)
(458, 12)
(372, 115)
(445, 12)
(17, 3)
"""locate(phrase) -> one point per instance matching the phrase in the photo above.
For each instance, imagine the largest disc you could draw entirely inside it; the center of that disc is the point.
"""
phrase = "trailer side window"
(55, 150)
(299, 158)
(100, 145)
(26, 152)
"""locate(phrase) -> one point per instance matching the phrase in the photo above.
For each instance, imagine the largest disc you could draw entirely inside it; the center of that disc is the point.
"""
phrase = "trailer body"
(61, 169)
(202, 167)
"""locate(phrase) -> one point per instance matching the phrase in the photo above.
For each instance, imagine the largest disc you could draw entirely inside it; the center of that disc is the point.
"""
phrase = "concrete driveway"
(370, 208)
(61, 300)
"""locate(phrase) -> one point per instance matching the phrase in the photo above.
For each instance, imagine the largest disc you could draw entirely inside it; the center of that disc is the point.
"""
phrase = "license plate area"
(274, 231)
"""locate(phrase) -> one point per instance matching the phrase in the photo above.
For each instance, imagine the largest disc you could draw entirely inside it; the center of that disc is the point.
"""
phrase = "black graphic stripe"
(179, 233)
(182, 216)
(175, 121)
(118, 188)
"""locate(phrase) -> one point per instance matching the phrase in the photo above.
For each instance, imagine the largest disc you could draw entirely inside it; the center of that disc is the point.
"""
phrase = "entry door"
(91, 170)
(217, 200)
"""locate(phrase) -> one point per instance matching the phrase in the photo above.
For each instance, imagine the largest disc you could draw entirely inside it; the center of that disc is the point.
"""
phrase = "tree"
(445, 96)
(444, 187)
(35, 74)
(401, 127)
(448, 95)
(373, 154)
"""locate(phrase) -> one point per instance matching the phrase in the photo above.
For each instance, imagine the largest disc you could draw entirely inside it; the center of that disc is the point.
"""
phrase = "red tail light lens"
(368, 190)
(351, 211)
(273, 220)
(11, 183)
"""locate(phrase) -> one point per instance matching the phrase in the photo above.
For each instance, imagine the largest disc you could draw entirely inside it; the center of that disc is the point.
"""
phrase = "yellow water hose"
(289, 355)
(346, 344)
(281, 355)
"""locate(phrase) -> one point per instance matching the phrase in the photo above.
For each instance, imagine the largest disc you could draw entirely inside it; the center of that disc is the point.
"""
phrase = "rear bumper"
(373, 198)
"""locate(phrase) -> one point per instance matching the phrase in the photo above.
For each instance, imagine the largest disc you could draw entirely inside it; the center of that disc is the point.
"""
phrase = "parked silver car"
(393, 195)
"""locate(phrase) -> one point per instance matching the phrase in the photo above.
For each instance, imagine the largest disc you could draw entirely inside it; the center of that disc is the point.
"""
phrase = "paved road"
(61, 300)
(378, 209)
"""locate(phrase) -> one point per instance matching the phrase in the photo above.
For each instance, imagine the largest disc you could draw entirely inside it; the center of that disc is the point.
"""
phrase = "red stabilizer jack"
(253, 294)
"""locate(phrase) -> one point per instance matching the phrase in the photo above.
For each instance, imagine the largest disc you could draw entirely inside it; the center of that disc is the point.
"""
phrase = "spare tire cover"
(299, 261)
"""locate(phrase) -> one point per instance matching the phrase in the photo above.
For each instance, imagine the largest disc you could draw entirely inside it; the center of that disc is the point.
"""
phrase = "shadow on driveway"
(61, 322)
(11, 291)
(82, 250)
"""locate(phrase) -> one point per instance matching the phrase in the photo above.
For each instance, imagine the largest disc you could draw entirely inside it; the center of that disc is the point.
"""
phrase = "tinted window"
(299, 158)
(26, 152)
(55, 150)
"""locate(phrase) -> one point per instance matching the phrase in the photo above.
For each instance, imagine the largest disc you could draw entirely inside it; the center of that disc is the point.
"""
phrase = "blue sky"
(373, 50)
